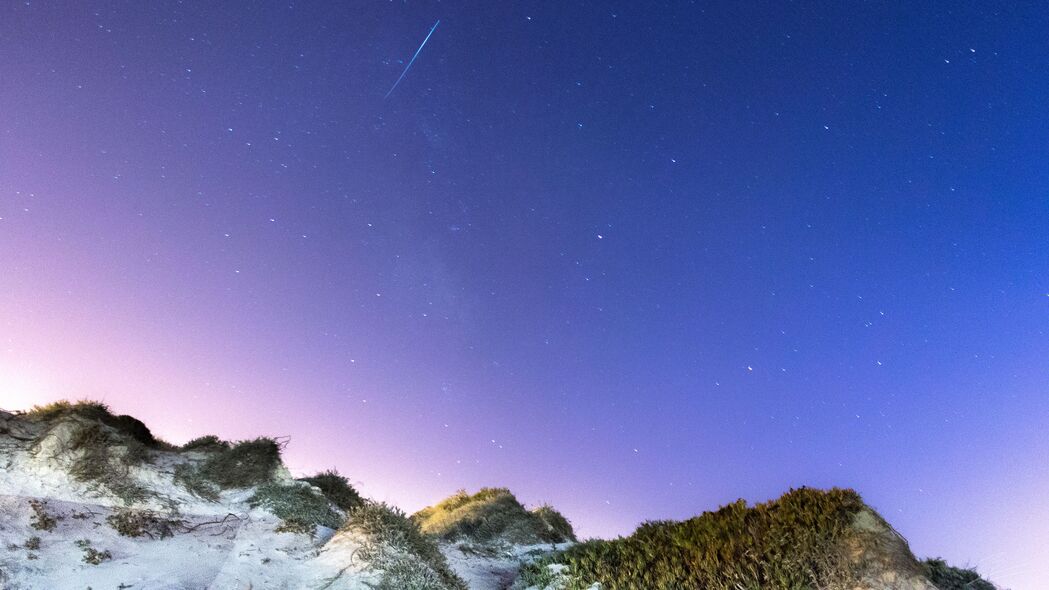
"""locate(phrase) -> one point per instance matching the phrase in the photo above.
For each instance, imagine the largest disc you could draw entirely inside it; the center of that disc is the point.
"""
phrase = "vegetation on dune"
(41, 519)
(946, 577)
(336, 489)
(98, 412)
(189, 477)
(793, 543)
(206, 443)
(91, 555)
(393, 544)
(243, 465)
(142, 523)
(492, 514)
(299, 506)
(555, 522)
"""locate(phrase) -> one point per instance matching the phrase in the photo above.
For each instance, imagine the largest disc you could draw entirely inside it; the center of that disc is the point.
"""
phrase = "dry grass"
(492, 514)
(142, 523)
(41, 520)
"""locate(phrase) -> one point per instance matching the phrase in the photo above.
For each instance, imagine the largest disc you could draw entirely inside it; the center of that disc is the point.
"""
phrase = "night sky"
(633, 259)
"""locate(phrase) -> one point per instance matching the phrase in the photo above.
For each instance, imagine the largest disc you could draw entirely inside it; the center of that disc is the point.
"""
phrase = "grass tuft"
(336, 489)
(394, 545)
(301, 508)
(492, 514)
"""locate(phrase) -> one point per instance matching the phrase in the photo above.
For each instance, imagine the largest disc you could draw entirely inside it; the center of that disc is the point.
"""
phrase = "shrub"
(32, 543)
(100, 462)
(206, 443)
(492, 514)
(41, 519)
(555, 522)
(336, 489)
(92, 555)
(946, 577)
(298, 506)
(98, 412)
(793, 543)
(138, 523)
(246, 464)
(391, 542)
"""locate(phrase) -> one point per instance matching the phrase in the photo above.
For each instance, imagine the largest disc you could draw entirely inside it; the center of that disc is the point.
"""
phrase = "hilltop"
(89, 498)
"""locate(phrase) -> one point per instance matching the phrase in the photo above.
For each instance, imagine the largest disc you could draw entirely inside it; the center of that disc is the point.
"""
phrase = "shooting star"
(410, 62)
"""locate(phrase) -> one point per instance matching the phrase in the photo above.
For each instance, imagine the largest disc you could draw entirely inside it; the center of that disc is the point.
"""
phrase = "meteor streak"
(410, 62)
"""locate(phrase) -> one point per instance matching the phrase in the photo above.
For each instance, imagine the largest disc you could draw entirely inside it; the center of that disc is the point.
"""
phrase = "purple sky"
(634, 260)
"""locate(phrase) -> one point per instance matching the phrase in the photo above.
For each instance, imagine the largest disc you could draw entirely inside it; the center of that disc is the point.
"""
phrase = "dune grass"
(492, 514)
(299, 506)
(792, 543)
(104, 458)
(394, 545)
(336, 489)
(946, 577)
(98, 412)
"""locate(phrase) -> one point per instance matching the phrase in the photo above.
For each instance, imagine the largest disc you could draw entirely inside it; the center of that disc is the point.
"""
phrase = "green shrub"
(298, 506)
(206, 443)
(946, 577)
(492, 514)
(246, 464)
(793, 543)
(336, 488)
(391, 540)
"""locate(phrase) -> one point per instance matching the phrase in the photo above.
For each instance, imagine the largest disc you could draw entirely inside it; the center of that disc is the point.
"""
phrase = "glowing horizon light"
(20, 389)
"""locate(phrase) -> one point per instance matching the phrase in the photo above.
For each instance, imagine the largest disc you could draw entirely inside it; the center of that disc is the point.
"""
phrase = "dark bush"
(946, 577)
(246, 464)
(336, 488)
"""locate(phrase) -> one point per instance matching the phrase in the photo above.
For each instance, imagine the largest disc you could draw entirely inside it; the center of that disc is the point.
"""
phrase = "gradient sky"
(633, 259)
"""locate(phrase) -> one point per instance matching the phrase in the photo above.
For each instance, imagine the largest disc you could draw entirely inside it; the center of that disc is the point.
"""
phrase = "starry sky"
(633, 259)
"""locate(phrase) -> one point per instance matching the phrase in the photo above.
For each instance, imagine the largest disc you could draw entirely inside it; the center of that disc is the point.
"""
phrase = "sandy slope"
(216, 545)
